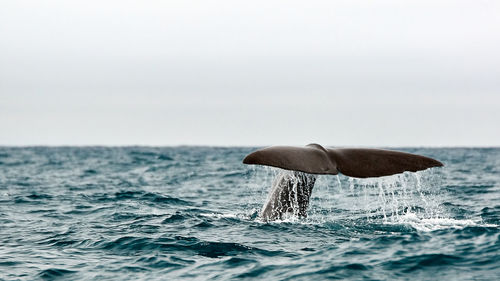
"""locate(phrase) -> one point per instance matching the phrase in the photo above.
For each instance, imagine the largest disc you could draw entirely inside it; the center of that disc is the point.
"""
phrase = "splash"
(413, 199)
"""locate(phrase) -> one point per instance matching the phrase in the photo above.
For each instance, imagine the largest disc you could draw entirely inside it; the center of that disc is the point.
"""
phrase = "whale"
(291, 189)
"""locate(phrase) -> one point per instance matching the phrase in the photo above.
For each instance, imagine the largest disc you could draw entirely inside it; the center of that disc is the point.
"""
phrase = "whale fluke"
(353, 162)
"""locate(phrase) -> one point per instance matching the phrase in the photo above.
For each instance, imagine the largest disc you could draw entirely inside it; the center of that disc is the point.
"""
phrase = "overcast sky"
(370, 73)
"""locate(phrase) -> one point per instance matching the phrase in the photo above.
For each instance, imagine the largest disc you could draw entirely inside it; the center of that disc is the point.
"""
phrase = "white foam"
(220, 216)
(432, 224)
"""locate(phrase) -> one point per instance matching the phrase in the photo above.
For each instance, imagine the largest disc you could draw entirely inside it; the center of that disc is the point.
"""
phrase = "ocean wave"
(182, 244)
(54, 273)
(153, 213)
(419, 262)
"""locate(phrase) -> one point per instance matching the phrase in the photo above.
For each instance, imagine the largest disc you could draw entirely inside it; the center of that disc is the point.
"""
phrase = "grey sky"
(372, 73)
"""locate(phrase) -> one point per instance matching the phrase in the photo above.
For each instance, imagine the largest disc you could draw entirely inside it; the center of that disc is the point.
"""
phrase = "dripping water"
(391, 199)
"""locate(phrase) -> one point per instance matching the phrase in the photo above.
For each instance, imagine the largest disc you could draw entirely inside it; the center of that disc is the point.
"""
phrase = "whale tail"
(353, 162)
(291, 194)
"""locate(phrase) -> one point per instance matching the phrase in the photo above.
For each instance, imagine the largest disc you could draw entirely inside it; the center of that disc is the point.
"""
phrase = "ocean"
(191, 213)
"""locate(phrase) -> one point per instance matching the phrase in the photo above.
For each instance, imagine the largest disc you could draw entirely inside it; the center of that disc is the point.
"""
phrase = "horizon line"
(237, 145)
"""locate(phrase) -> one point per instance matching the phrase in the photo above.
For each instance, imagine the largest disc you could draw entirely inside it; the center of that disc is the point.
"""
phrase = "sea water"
(167, 213)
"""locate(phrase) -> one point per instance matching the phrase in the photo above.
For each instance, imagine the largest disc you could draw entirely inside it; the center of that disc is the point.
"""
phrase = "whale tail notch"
(353, 162)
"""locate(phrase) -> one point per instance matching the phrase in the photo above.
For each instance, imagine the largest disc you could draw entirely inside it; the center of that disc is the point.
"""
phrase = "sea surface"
(191, 213)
